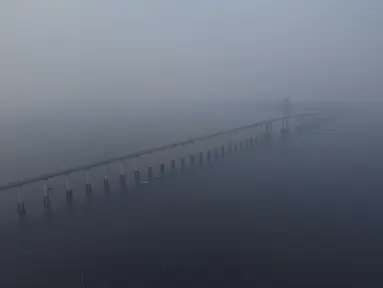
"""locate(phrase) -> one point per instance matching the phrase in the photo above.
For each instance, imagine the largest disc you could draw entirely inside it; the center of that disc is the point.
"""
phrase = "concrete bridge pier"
(162, 170)
(88, 186)
(122, 175)
(173, 165)
(285, 127)
(20, 203)
(106, 180)
(286, 120)
(47, 201)
(137, 177)
(69, 191)
(268, 131)
(173, 169)
(200, 158)
(223, 151)
(150, 174)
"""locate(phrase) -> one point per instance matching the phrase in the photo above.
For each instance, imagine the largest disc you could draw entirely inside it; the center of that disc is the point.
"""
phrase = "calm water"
(306, 211)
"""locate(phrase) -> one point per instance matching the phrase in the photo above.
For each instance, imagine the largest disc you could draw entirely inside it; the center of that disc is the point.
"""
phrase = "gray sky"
(57, 49)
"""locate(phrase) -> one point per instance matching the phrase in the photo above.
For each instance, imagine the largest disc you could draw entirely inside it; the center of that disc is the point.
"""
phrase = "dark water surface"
(306, 211)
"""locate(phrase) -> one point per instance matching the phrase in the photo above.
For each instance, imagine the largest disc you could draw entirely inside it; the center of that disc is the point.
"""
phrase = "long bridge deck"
(146, 165)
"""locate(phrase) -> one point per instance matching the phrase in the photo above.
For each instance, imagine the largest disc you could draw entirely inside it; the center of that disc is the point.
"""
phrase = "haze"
(81, 80)
(159, 50)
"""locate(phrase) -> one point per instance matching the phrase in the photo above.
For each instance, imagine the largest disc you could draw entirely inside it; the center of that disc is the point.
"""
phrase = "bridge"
(199, 194)
(279, 201)
(150, 164)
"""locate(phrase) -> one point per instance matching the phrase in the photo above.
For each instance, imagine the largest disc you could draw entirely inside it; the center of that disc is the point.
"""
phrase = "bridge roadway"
(262, 215)
(129, 156)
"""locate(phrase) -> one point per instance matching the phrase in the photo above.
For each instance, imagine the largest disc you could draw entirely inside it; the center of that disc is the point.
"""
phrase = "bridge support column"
(106, 180)
(268, 129)
(150, 173)
(183, 163)
(20, 203)
(191, 159)
(21, 208)
(69, 191)
(173, 165)
(137, 177)
(286, 114)
(122, 175)
(88, 186)
(162, 170)
(222, 151)
(47, 201)
(285, 127)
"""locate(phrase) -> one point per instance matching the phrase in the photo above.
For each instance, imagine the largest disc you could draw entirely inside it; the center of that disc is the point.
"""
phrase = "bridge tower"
(286, 115)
